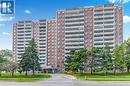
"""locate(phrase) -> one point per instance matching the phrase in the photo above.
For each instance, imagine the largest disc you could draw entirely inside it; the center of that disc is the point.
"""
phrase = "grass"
(23, 78)
(102, 77)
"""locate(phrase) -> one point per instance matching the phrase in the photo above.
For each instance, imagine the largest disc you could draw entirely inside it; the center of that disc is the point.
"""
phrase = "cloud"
(125, 1)
(112, 1)
(126, 19)
(27, 11)
(5, 33)
(115, 1)
(6, 18)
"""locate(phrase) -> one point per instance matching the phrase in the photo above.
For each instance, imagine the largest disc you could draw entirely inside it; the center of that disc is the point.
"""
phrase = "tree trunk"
(106, 73)
(20, 72)
(91, 69)
(114, 71)
(94, 70)
(12, 73)
(0, 73)
(26, 73)
(33, 71)
(128, 70)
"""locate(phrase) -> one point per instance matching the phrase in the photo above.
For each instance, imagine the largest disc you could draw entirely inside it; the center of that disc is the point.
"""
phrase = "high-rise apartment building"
(91, 26)
(76, 30)
(108, 25)
(60, 38)
(52, 43)
(40, 36)
(23, 32)
(73, 29)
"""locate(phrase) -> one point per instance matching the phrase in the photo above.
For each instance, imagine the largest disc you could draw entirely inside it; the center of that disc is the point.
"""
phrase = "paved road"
(64, 80)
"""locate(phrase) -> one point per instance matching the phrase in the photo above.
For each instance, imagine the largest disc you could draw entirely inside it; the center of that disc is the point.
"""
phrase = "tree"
(34, 56)
(82, 54)
(93, 58)
(6, 60)
(2, 61)
(29, 59)
(6, 54)
(106, 59)
(74, 61)
(10, 66)
(25, 61)
(118, 58)
(20, 70)
(13, 66)
(127, 54)
(69, 61)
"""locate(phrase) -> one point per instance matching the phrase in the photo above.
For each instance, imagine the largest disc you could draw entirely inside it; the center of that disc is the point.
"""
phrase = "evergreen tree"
(30, 60)
(34, 56)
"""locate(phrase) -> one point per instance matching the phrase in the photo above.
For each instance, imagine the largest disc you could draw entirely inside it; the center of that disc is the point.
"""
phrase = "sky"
(46, 9)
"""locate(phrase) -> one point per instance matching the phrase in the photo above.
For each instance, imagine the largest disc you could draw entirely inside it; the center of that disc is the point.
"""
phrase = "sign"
(7, 7)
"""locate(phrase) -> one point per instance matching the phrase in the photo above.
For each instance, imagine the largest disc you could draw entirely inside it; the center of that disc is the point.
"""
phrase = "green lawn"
(23, 78)
(103, 77)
